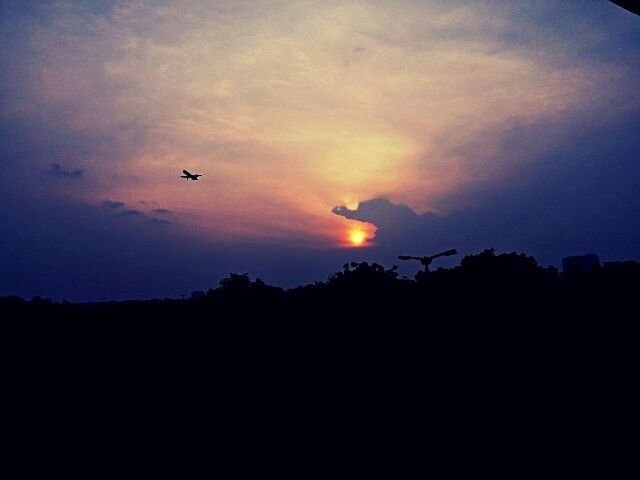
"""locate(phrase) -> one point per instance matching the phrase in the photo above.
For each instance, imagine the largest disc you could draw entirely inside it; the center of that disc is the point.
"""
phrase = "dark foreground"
(490, 308)
(497, 365)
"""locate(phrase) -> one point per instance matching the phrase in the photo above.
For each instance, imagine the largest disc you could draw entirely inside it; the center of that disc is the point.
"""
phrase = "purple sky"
(429, 125)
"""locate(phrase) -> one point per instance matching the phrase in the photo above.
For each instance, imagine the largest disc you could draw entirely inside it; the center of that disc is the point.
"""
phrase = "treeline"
(503, 286)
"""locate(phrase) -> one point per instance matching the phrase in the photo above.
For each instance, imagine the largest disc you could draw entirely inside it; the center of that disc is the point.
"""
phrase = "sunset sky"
(328, 131)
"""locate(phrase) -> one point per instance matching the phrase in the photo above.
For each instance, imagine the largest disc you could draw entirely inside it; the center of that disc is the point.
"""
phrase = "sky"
(327, 132)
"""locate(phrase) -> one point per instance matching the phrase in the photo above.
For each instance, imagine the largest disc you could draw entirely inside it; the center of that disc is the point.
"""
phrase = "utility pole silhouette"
(426, 261)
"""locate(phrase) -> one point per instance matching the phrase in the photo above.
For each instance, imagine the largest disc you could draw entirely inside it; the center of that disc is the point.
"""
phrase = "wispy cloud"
(59, 171)
(131, 213)
(136, 215)
(114, 204)
(162, 211)
(158, 222)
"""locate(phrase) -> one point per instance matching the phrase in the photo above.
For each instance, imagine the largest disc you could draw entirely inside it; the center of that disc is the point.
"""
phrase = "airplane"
(630, 5)
(426, 261)
(191, 176)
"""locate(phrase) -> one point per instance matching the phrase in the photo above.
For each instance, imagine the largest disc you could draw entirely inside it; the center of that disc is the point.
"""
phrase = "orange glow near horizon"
(295, 121)
(357, 237)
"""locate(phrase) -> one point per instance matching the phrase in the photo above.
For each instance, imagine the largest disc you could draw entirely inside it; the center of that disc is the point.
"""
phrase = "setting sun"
(357, 237)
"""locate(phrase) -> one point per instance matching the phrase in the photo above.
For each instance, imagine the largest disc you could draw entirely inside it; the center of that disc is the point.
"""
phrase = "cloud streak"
(134, 213)
(59, 171)
(162, 211)
(113, 204)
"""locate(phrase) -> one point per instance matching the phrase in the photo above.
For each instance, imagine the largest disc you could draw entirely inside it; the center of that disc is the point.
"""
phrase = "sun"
(357, 237)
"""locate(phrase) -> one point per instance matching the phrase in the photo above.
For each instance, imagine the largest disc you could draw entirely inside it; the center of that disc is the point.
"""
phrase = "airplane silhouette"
(191, 176)
(426, 261)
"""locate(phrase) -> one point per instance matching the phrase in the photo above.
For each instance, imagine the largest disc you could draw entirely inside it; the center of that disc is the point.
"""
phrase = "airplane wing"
(407, 257)
(185, 172)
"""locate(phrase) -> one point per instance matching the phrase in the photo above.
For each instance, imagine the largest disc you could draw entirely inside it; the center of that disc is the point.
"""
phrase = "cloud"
(379, 210)
(132, 213)
(158, 222)
(140, 215)
(58, 171)
(451, 107)
(397, 225)
(564, 200)
(113, 204)
(271, 111)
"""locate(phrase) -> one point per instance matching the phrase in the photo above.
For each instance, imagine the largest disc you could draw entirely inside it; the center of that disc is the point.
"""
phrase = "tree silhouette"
(508, 285)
